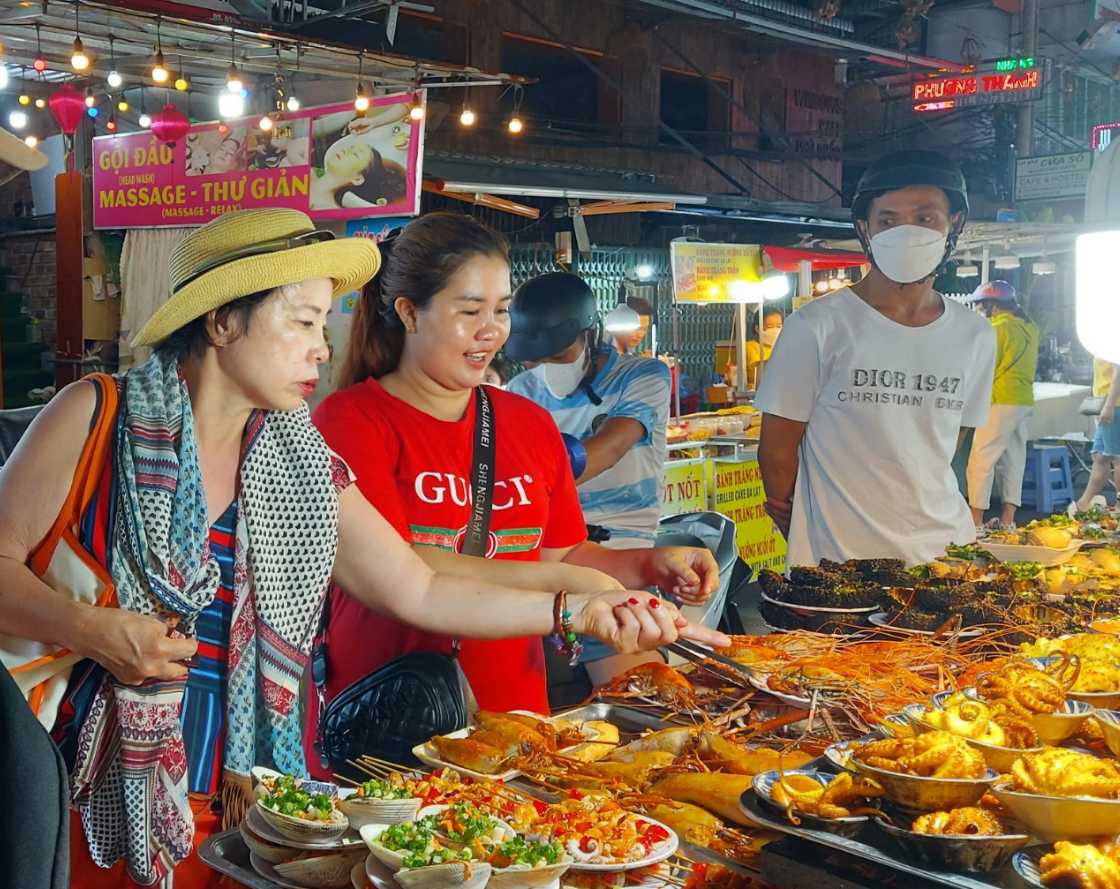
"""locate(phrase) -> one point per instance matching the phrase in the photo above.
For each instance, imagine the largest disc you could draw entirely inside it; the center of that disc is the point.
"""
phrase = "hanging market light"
(416, 111)
(111, 123)
(17, 120)
(40, 103)
(230, 104)
(79, 61)
(170, 124)
(1007, 259)
(114, 79)
(145, 121)
(968, 269)
(292, 103)
(90, 99)
(233, 77)
(467, 117)
(361, 101)
(123, 106)
(181, 82)
(265, 123)
(821, 287)
(30, 141)
(40, 64)
(160, 74)
(515, 125)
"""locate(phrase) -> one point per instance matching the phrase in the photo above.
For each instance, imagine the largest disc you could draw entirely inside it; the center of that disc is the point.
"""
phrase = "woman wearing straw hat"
(214, 513)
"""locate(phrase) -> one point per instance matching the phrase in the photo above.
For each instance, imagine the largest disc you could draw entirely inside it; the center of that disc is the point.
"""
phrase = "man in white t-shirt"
(869, 391)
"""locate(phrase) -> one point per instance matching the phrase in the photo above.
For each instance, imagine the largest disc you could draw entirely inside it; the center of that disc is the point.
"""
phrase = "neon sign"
(1102, 135)
(1014, 64)
(962, 91)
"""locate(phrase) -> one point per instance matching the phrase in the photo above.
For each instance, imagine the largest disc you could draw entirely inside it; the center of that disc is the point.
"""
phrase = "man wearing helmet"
(869, 391)
(999, 450)
(612, 410)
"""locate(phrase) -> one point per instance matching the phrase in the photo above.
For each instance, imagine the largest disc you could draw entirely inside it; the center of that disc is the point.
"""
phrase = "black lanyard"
(476, 541)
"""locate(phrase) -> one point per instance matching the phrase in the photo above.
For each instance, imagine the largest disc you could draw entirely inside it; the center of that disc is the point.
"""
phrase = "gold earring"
(411, 329)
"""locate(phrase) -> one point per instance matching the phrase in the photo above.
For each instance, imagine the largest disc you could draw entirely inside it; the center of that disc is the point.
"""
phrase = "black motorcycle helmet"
(548, 313)
(903, 169)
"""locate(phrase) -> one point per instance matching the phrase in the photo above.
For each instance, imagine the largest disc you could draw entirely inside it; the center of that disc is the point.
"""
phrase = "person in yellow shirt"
(1106, 444)
(999, 450)
(767, 336)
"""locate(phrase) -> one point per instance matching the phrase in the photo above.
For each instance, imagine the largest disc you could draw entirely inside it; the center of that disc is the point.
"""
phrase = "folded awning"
(789, 259)
(505, 176)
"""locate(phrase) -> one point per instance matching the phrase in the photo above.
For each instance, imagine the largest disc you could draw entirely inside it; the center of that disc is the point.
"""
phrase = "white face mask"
(908, 253)
(563, 379)
(770, 336)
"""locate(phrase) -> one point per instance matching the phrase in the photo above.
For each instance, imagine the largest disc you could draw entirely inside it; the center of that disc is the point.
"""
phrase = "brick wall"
(31, 256)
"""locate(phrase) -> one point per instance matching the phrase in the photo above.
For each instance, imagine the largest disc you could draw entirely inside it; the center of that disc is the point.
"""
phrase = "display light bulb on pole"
(467, 117)
(416, 111)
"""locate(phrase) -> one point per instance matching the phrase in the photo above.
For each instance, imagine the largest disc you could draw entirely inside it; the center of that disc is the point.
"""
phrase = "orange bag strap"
(87, 476)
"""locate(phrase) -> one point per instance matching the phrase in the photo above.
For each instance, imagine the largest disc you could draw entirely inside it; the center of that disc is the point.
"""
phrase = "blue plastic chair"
(1047, 481)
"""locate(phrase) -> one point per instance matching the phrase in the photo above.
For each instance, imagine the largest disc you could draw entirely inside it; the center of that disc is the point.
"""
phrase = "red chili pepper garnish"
(467, 781)
(540, 807)
(700, 869)
(582, 827)
(575, 794)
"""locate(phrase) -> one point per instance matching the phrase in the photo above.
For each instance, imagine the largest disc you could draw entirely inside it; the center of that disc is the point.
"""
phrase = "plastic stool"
(1047, 481)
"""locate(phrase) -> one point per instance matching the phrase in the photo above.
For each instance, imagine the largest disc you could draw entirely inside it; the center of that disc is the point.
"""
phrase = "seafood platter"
(945, 759)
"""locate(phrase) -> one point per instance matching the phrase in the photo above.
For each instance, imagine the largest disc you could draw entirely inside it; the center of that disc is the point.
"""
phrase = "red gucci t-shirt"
(415, 470)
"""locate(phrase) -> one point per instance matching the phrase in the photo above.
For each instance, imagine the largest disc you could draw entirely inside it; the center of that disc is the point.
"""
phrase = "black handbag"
(406, 702)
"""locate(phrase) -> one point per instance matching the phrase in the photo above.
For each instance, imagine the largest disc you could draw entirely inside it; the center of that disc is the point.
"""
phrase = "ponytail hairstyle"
(416, 263)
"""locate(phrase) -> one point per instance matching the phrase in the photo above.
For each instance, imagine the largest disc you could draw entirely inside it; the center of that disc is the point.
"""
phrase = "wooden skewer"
(364, 769)
(395, 766)
(339, 777)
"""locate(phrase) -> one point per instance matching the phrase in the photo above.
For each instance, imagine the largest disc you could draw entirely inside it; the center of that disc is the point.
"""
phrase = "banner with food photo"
(331, 162)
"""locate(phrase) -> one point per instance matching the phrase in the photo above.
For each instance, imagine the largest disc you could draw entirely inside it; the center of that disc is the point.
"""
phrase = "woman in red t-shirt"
(423, 334)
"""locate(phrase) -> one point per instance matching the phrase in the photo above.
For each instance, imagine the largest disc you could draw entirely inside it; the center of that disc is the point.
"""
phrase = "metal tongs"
(734, 672)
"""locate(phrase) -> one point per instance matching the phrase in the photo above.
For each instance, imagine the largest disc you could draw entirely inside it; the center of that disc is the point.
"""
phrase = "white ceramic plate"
(265, 831)
(427, 754)
(665, 851)
(883, 621)
(812, 609)
(1046, 556)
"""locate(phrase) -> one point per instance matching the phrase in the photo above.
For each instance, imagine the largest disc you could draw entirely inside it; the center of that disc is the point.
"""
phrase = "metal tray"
(873, 845)
(227, 853)
(630, 720)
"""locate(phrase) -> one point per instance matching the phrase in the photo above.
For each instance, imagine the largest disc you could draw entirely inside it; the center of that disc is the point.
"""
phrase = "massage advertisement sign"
(331, 162)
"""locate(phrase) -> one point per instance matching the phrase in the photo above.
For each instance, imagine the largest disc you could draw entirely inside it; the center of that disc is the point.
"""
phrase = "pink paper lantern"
(68, 107)
(170, 124)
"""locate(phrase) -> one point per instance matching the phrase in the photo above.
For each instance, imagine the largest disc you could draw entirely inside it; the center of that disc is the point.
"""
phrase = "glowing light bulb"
(292, 103)
(182, 84)
(231, 105)
(18, 120)
(265, 124)
(24, 99)
(160, 73)
(233, 80)
(40, 64)
(467, 118)
(416, 112)
(40, 103)
(114, 79)
(92, 111)
(79, 60)
(145, 120)
(91, 99)
(123, 106)
(30, 141)
(515, 125)
(361, 102)
(111, 124)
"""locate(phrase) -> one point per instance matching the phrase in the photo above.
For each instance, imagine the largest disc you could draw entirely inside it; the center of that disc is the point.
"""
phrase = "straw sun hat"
(248, 251)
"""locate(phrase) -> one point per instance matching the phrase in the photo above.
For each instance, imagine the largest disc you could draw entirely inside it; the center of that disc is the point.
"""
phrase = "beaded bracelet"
(564, 637)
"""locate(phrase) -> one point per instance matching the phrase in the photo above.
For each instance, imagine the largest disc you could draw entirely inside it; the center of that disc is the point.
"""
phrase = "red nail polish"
(633, 601)
(654, 603)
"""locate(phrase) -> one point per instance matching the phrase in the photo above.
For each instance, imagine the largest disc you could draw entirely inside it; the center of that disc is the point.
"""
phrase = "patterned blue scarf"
(130, 781)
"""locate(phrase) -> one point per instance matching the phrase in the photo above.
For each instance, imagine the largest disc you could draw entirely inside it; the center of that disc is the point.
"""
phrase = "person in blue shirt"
(612, 410)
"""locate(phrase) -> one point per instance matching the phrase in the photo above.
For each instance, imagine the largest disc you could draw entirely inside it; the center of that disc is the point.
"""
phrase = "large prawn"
(657, 682)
